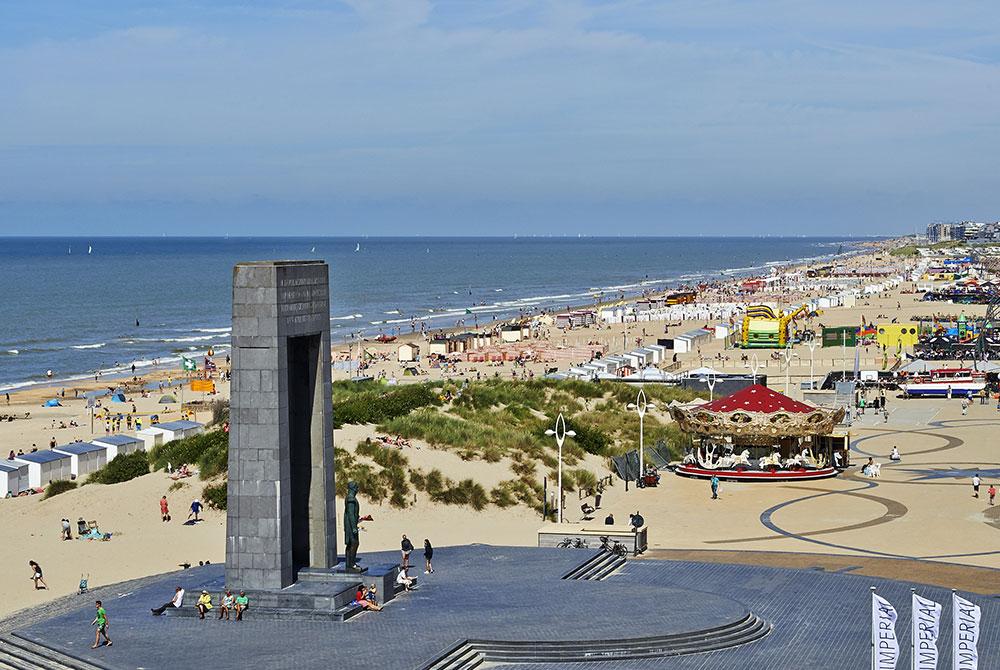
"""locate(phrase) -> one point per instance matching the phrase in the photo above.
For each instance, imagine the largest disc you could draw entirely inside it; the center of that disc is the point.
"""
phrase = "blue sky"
(483, 117)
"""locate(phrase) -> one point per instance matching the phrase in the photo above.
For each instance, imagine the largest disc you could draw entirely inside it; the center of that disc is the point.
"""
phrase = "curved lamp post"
(640, 406)
(788, 355)
(561, 434)
(812, 344)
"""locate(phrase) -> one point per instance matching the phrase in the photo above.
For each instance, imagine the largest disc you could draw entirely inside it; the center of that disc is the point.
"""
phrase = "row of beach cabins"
(33, 471)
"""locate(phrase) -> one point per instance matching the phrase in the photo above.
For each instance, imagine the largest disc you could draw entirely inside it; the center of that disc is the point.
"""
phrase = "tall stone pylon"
(281, 514)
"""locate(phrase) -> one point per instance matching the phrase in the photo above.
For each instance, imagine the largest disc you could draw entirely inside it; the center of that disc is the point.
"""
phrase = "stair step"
(748, 629)
(26, 655)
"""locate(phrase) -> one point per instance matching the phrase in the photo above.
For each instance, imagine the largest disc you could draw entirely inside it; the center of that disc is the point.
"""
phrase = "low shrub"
(122, 468)
(375, 406)
(208, 451)
(177, 486)
(214, 495)
(57, 487)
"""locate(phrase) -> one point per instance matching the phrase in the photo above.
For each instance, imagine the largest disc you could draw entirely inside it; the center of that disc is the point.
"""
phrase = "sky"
(483, 117)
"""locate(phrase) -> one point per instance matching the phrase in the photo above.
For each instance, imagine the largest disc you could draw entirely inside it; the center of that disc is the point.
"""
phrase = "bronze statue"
(352, 519)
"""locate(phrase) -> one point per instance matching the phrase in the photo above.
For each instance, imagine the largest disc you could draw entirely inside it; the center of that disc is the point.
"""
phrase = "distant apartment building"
(966, 230)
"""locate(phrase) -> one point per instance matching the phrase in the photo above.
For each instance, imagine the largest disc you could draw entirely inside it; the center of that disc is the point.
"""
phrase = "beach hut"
(85, 457)
(13, 478)
(408, 352)
(119, 444)
(177, 430)
(45, 466)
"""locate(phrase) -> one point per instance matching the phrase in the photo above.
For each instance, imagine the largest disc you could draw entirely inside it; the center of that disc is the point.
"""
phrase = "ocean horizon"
(78, 305)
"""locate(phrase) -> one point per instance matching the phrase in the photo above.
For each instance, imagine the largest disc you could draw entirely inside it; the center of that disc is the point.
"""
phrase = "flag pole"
(873, 627)
(954, 631)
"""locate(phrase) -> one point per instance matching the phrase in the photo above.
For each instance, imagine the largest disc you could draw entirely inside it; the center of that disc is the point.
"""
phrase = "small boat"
(945, 382)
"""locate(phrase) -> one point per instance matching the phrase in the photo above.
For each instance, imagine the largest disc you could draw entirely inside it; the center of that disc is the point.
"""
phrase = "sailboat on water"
(90, 249)
(357, 248)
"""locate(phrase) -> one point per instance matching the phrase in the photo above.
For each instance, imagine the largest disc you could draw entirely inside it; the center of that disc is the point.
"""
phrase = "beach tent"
(119, 444)
(118, 397)
(45, 466)
(167, 399)
(85, 457)
(13, 478)
(54, 402)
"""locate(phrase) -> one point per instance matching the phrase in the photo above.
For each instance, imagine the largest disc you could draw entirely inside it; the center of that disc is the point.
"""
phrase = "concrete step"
(462, 656)
(22, 654)
(596, 567)
(342, 613)
(745, 631)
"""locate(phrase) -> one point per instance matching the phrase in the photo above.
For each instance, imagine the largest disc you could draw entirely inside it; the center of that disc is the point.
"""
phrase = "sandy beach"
(941, 520)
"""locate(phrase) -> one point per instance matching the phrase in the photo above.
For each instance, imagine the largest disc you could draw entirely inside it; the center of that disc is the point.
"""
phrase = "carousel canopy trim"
(756, 414)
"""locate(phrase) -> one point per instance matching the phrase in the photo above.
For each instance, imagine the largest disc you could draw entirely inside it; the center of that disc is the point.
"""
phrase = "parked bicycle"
(614, 547)
(572, 543)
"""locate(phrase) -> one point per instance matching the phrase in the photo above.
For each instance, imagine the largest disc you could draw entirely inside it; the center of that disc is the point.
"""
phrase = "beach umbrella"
(167, 399)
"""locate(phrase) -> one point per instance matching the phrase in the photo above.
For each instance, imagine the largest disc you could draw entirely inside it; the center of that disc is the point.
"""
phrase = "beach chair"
(588, 511)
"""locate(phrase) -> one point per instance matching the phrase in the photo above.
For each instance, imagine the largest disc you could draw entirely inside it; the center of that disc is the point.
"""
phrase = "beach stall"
(13, 478)
(118, 444)
(85, 457)
(45, 466)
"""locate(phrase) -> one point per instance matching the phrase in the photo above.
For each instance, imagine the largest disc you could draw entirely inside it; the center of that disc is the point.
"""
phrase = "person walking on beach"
(715, 487)
(428, 555)
(965, 406)
(992, 491)
(101, 621)
(164, 509)
(36, 576)
(975, 485)
(195, 510)
(405, 548)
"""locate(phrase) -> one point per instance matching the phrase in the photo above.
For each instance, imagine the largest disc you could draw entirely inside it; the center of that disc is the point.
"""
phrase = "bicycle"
(616, 547)
(572, 543)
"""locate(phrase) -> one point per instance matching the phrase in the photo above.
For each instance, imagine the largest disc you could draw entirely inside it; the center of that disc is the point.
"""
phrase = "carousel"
(757, 434)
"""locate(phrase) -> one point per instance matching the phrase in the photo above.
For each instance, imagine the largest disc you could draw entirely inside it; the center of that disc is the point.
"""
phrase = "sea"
(74, 306)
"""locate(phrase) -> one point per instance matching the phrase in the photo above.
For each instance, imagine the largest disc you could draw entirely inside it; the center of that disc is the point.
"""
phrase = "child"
(101, 621)
(36, 576)
(992, 490)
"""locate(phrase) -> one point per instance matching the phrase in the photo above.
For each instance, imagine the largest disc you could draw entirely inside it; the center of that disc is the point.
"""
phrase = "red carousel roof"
(757, 398)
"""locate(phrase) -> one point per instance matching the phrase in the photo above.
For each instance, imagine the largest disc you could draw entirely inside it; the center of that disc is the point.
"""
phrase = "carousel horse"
(709, 462)
(743, 458)
(689, 458)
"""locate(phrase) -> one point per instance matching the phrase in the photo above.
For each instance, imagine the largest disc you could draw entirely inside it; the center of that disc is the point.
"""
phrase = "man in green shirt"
(242, 603)
(101, 621)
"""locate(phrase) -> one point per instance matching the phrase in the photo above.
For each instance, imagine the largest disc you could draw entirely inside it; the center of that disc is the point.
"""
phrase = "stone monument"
(281, 517)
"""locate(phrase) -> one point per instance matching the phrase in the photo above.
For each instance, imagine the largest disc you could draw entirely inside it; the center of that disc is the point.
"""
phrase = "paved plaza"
(503, 593)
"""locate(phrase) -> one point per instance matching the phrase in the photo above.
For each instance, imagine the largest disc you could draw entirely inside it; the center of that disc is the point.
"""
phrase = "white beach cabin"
(408, 352)
(162, 433)
(119, 444)
(85, 457)
(13, 478)
(45, 466)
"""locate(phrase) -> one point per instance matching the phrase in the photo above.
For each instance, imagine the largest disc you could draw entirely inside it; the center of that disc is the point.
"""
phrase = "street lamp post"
(754, 366)
(812, 344)
(787, 354)
(561, 434)
(640, 406)
(710, 381)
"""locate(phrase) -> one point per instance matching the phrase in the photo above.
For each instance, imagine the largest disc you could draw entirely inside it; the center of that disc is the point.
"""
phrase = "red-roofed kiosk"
(757, 434)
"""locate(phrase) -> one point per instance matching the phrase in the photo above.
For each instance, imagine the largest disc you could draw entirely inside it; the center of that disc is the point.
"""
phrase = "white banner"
(925, 630)
(885, 646)
(964, 633)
